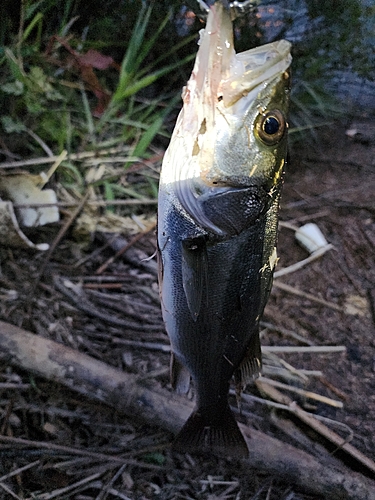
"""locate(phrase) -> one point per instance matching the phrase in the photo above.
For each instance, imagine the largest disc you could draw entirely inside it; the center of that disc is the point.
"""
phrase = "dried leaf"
(85, 65)
(96, 60)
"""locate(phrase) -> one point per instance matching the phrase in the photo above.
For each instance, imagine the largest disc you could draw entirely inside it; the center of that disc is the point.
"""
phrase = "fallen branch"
(135, 397)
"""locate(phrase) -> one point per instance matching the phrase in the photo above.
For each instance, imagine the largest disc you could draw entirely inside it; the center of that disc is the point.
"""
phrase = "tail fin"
(213, 430)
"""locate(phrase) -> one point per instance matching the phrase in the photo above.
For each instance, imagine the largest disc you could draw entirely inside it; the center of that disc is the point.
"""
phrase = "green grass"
(45, 108)
(47, 105)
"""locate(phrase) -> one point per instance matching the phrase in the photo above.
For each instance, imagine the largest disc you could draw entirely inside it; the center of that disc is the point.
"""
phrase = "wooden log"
(131, 395)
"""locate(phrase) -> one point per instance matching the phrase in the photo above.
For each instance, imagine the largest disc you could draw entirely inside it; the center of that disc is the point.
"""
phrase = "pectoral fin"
(194, 272)
(251, 365)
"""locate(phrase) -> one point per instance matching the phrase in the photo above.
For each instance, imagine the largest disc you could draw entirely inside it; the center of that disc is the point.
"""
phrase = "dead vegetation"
(86, 410)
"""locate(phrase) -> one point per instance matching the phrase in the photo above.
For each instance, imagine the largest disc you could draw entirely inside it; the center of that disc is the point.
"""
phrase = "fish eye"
(270, 127)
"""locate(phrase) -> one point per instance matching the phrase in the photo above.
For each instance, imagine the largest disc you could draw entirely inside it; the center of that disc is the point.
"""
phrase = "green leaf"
(153, 129)
(11, 126)
(136, 86)
(108, 190)
(134, 53)
(15, 68)
(36, 21)
(154, 458)
(14, 88)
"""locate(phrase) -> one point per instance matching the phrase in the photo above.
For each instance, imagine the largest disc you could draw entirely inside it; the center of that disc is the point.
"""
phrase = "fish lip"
(260, 65)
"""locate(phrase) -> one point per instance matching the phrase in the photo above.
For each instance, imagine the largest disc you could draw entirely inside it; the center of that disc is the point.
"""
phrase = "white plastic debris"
(310, 237)
(26, 203)
(10, 232)
(25, 189)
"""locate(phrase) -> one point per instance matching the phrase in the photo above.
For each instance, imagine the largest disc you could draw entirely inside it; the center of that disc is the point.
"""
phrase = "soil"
(331, 184)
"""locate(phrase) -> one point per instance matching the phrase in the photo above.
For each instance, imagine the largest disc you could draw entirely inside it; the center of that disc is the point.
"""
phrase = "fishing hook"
(237, 7)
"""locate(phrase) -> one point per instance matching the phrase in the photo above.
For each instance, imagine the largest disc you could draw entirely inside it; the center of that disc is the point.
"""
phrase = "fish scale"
(218, 206)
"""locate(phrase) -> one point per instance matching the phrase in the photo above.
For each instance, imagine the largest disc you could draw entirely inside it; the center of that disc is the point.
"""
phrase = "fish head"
(231, 133)
(251, 124)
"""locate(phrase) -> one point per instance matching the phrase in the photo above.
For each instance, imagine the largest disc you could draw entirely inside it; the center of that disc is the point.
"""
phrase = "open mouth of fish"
(223, 107)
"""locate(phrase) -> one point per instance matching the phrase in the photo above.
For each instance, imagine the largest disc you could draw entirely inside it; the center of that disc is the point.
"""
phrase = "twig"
(293, 370)
(12, 385)
(298, 265)
(152, 346)
(125, 393)
(40, 141)
(126, 247)
(313, 298)
(93, 203)
(82, 303)
(319, 427)
(302, 392)
(343, 163)
(291, 224)
(311, 349)
(19, 470)
(56, 164)
(285, 331)
(9, 491)
(74, 486)
(95, 252)
(76, 451)
(117, 494)
(59, 237)
(332, 388)
(250, 398)
(288, 225)
(107, 286)
(265, 348)
(78, 157)
(104, 492)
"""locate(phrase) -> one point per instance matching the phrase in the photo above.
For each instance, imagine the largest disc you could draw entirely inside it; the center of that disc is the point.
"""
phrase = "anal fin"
(251, 364)
(180, 376)
(212, 430)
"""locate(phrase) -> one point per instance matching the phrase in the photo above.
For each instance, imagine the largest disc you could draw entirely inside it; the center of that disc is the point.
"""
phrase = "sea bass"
(217, 224)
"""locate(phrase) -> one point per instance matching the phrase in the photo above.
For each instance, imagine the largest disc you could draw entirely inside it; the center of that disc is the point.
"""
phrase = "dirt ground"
(332, 184)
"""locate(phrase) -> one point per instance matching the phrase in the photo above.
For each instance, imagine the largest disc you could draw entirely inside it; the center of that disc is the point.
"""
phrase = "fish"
(218, 205)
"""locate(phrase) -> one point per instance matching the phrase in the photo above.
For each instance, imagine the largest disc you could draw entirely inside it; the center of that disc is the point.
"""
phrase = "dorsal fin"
(194, 272)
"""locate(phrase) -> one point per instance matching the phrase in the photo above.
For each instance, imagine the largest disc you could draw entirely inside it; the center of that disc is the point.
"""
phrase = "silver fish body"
(217, 224)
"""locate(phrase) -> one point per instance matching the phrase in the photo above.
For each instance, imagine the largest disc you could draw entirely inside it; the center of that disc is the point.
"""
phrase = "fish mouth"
(252, 69)
(222, 74)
